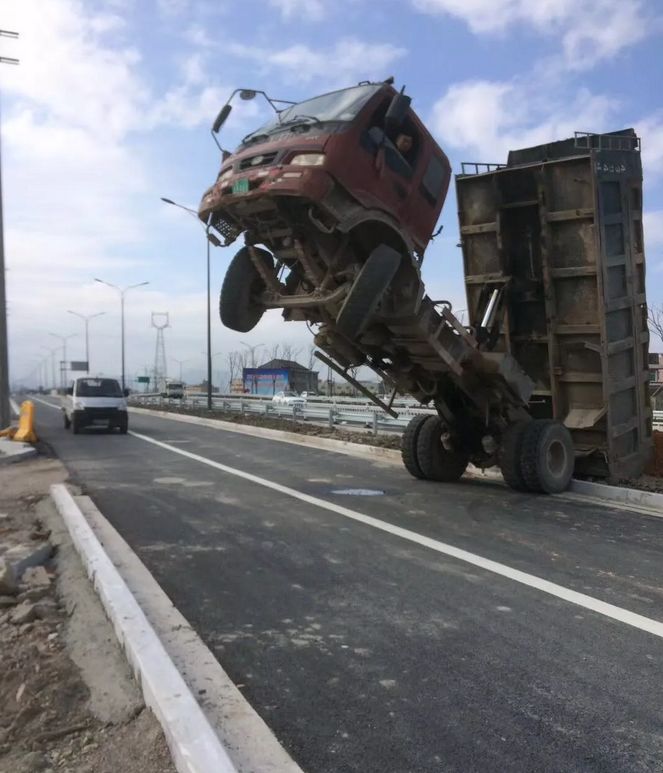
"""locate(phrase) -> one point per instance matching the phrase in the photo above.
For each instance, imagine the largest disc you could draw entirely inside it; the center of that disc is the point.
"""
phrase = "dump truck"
(337, 199)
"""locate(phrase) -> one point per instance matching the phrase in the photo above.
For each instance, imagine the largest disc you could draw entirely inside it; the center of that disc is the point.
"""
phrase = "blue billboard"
(265, 381)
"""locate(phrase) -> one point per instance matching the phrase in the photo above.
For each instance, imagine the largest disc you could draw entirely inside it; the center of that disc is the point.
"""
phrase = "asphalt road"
(366, 650)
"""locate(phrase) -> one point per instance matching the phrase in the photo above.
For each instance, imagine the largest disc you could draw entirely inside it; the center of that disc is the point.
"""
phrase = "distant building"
(279, 376)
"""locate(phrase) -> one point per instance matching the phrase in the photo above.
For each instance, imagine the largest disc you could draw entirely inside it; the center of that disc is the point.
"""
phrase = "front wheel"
(367, 291)
(124, 425)
(67, 423)
(75, 424)
(239, 306)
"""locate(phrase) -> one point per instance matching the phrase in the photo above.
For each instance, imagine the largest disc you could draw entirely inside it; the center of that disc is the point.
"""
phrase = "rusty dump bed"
(560, 228)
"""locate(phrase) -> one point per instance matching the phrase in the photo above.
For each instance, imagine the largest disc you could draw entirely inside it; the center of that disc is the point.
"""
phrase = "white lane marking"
(625, 616)
(14, 406)
(43, 402)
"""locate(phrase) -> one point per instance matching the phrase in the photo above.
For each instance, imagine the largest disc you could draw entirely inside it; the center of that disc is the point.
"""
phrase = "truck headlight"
(225, 175)
(308, 159)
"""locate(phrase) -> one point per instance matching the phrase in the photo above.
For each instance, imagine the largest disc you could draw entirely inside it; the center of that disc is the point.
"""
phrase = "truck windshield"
(98, 387)
(340, 105)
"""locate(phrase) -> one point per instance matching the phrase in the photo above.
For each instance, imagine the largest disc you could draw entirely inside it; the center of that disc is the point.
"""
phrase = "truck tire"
(409, 446)
(238, 308)
(367, 291)
(435, 461)
(67, 423)
(547, 456)
(75, 424)
(510, 455)
(123, 425)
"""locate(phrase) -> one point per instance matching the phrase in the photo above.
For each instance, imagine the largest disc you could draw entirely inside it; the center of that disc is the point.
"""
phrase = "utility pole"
(5, 414)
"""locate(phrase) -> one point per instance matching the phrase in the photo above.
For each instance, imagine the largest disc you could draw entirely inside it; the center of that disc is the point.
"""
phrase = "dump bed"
(559, 227)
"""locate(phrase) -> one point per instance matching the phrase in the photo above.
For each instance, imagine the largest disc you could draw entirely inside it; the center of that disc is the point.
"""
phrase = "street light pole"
(63, 367)
(52, 351)
(210, 237)
(5, 413)
(122, 291)
(86, 319)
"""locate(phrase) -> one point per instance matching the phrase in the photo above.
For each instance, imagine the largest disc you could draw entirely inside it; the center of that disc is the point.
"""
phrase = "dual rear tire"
(537, 456)
(424, 454)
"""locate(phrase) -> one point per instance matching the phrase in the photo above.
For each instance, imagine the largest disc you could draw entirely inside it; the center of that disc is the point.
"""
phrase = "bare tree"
(236, 363)
(274, 352)
(290, 352)
(655, 319)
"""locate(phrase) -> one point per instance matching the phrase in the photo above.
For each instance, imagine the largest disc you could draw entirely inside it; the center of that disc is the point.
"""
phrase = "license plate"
(241, 185)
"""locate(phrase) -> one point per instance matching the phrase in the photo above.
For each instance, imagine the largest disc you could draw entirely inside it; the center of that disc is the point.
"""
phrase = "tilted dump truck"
(337, 199)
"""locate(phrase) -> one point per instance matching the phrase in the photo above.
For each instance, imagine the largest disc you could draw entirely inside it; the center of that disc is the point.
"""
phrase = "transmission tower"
(160, 322)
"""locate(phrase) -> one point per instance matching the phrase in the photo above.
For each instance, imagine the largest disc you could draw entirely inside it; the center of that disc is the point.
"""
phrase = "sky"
(111, 105)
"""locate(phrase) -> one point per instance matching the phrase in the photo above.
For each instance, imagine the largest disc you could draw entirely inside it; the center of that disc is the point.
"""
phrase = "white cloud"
(650, 130)
(488, 118)
(352, 59)
(311, 10)
(653, 230)
(589, 32)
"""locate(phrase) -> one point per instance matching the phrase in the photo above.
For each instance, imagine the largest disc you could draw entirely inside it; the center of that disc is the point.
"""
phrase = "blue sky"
(111, 105)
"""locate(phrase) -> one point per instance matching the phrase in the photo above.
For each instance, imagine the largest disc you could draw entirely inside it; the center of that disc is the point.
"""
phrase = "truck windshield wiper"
(300, 119)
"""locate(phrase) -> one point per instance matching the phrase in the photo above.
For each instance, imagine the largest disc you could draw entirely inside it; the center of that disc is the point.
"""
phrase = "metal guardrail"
(319, 410)
(349, 411)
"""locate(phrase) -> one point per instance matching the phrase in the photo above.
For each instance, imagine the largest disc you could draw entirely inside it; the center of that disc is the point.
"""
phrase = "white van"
(99, 401)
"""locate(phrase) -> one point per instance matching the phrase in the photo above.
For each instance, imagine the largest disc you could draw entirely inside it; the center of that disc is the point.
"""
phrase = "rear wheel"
(239, 306)
(548, 456)
(409, 446)
(434, 460)
(510, 455)
(368, 290)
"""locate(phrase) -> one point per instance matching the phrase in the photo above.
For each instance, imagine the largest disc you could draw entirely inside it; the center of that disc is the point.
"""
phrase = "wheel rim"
(556, 458)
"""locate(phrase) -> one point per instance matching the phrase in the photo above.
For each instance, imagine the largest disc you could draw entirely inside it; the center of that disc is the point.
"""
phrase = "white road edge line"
(580, 491)
(614, 497)
(633, 619)
(14, 406)
(194, 745)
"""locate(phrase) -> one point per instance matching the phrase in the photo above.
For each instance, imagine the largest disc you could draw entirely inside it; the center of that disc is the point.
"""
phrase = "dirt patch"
(286, 424)
(54, 638)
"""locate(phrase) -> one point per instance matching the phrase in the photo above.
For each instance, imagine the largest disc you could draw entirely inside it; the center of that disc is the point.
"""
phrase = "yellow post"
(26, 424)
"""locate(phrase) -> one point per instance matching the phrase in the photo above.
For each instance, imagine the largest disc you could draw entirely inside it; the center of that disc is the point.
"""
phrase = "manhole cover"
(358, 492)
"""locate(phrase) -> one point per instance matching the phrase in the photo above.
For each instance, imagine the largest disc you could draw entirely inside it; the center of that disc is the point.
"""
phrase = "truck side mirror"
(221, 118)
(396, 112)
(127, 392)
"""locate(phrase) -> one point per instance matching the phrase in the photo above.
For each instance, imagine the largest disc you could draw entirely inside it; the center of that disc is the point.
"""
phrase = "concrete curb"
(248, 739)
(648, 500)
(600, 493)
(12, 451)
(194, 745)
